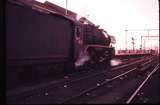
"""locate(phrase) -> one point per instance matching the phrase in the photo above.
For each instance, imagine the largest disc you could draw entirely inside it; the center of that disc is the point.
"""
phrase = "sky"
(116, 16)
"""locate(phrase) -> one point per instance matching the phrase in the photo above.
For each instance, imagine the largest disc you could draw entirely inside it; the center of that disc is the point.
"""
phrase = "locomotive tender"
(40, 39)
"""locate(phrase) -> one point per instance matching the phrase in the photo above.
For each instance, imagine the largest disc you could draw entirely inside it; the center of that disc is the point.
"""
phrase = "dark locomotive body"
(43, 41)
(94, 42)
(37, 37)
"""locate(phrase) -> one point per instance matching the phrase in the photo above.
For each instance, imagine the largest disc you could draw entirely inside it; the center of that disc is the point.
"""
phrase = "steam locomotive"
(39, 39)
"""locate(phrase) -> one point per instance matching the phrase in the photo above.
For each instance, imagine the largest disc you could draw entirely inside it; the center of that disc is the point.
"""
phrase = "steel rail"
(97, 86)
(140, 87)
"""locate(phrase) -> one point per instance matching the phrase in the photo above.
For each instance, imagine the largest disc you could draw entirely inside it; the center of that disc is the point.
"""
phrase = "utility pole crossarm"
(150, 36)
(141, 29)
(148, 30)
(66, 6)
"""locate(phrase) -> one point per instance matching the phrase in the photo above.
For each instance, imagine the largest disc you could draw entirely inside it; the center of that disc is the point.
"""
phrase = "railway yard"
(134, 80)
(52, 57)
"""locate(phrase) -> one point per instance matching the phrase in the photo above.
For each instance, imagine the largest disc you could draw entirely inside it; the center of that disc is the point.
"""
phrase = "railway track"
(124, 91)
(88, 73)
(38, 79)
(82, 97)
(148, 92)
(62, 77)
(70, 85)
(131, 98)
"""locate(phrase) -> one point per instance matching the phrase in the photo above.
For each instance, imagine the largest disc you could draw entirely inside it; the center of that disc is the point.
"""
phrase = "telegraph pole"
(144, 45)
(141, 43)
(66, 6)
(126, 40)
(133, 42)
